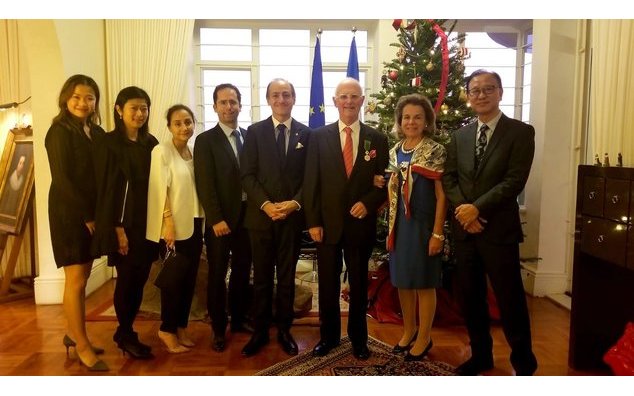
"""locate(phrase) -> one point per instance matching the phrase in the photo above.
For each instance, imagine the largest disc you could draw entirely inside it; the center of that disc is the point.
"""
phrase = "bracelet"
(438, 236)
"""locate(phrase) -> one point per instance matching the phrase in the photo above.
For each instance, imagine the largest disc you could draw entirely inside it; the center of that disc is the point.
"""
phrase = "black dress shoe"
(417, 358)
(361, 353)
(257, 341)
(243, 327)
(218, 343)
(287, 342)
(323, 347)
(474, 366)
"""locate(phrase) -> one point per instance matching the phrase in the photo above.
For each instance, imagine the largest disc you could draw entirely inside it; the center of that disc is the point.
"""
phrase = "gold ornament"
(463, 95)
(429, 66)
(444, 108)
(401, 54)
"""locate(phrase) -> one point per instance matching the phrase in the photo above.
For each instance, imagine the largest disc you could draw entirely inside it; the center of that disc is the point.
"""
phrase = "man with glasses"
(341, 203)
(488, 163)
(272, 168)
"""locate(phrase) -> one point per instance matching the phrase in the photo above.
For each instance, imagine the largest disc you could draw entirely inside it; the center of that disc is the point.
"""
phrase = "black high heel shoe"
(417, 358)
(68, 343)
(130, 343)
(400, 349)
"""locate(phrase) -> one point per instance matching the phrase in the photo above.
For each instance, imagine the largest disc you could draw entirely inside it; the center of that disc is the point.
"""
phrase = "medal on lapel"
(368, 153)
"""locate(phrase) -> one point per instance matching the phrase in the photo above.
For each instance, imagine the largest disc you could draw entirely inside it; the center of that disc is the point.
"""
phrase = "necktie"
(347, 151)
(281, 140)
(481, 145)
(236, 135)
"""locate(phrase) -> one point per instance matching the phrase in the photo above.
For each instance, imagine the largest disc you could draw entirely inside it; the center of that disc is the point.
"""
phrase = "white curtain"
(9, 81)
(612, 90)
(153, 55)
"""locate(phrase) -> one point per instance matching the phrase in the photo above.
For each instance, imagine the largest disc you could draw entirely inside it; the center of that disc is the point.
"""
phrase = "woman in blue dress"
(417, 214)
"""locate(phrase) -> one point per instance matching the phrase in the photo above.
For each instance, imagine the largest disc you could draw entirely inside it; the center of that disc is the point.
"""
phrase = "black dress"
(73, 193)
(123, 170)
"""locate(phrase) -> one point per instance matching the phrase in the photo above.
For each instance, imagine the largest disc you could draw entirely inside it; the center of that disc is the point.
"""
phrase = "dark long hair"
(64, 117)
(124, 95)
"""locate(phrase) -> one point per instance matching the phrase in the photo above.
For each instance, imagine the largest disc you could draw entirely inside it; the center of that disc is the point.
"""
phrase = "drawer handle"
(615, 199)
(600, 239)
(592, 195)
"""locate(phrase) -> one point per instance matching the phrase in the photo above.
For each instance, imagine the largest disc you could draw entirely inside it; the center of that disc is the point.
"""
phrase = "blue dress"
(410, 265)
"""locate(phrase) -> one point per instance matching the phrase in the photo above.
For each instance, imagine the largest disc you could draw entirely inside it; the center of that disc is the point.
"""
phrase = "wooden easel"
(13, 291)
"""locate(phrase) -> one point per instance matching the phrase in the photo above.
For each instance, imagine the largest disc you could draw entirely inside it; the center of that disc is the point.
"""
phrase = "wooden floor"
(31, 343)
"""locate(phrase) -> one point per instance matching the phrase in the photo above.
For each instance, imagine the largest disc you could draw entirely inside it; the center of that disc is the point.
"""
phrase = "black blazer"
(493, 188)
(267, 177)
(217, 175)
(329, 194)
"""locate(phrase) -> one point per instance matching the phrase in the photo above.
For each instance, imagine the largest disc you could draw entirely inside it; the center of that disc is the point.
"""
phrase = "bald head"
(348, 99)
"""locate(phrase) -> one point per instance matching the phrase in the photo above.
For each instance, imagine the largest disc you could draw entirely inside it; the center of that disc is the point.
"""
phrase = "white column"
(54, 51)
(550, 191)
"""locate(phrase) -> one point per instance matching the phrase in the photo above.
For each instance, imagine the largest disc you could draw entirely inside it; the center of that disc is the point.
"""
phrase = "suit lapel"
(334, 145)
(498, 134)
(363, 136)
(469, 148)
(226, 146)
(293, 138)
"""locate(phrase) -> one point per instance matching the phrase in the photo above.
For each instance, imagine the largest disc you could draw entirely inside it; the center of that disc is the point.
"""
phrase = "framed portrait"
(16, 172)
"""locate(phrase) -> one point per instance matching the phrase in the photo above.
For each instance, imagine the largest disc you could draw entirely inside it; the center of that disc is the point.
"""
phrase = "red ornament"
(393, 75)
(416, 81)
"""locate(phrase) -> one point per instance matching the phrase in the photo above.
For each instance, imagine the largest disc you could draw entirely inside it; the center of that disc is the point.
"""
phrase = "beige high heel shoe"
(183, 337)
(171, 342)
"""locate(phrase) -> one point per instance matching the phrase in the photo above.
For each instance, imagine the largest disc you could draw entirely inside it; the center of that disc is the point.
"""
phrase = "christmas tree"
(428, 62)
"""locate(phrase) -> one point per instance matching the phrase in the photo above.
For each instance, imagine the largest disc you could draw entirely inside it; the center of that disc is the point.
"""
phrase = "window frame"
(254, 67)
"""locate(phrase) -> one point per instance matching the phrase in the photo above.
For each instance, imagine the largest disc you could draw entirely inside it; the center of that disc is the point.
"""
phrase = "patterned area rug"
(340, 362)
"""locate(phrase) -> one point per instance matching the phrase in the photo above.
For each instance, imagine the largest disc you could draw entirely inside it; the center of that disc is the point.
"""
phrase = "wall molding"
(50, 290)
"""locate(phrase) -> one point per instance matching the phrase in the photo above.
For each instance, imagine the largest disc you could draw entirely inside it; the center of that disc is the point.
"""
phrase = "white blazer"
(171, 174)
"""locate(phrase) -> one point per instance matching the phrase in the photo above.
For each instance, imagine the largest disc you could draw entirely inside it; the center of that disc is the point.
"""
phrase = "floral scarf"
(428, 161)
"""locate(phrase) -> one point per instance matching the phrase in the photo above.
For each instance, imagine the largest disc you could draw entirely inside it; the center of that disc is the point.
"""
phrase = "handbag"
(172, 274)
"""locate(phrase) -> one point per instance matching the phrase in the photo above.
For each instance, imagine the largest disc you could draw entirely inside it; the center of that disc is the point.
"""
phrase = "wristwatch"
(438, 236)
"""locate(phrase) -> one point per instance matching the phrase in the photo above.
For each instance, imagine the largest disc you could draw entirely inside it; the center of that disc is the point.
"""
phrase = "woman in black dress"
(123, 166)
(70, 144)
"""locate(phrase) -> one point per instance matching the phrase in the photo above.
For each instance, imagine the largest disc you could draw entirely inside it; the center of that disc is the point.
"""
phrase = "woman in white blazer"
(175, 216)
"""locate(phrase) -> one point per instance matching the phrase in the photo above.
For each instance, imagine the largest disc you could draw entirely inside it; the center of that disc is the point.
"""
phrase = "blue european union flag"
(353, 61)
(317, 110)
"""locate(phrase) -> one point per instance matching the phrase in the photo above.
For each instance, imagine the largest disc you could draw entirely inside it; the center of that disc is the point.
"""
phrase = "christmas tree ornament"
(384, 81)
(393, 75)
(463, 53)
(387, 101)
(401, 54)
(415, 82)
(429, 66)
(463, 95)
(371, 107)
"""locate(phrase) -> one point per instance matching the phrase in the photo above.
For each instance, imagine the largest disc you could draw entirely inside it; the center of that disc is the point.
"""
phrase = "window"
(251, 57)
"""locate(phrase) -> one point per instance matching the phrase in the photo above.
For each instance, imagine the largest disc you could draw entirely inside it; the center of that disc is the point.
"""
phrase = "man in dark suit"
(217, 172)
(272, 168)
(341, 204)
(488, 163)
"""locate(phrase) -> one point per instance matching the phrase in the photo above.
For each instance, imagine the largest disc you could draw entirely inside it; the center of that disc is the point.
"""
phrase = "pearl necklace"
(407, 151)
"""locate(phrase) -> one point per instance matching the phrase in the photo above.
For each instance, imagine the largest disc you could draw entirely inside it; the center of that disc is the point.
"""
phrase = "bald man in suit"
(341, 202)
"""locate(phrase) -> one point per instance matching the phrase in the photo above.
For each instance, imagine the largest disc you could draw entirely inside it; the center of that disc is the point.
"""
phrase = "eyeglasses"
(488, 90)
(345, 97)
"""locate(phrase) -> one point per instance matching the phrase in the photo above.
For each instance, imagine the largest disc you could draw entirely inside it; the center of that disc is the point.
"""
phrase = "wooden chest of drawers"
(603, 273)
